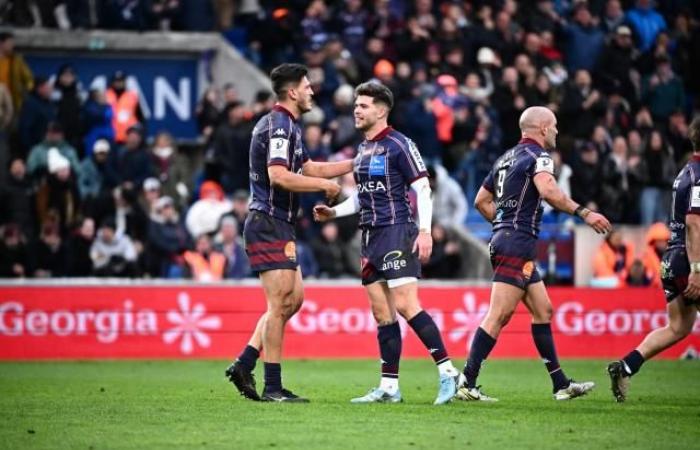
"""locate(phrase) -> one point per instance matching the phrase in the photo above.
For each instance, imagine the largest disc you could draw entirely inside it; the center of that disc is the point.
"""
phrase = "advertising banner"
(335, 321)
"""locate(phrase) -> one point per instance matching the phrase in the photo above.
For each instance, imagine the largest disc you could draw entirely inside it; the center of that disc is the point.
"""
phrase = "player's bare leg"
(240, 373)
(389, 337)
(538, 303)
(681, 319)
(404, 296)
(504, 300)
(284, 294)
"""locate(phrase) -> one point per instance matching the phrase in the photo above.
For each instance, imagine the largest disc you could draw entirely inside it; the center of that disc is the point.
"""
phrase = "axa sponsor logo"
(393, 260)
(370, 187)
(186, 326)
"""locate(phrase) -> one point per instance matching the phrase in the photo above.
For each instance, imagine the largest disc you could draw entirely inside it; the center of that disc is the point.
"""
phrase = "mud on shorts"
(674, 272)
(386, 253)
(269, 242)
(513, 254)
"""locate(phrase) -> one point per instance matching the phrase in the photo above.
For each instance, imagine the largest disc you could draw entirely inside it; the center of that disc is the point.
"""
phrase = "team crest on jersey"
(379, 150)
(290, 251)
(279, 132)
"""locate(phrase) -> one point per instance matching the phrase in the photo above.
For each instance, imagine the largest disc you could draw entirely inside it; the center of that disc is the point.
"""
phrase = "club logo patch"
(290, 251)
(528, 268)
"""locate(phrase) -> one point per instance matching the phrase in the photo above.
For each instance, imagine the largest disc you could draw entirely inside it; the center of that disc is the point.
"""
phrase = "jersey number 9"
(500, 179)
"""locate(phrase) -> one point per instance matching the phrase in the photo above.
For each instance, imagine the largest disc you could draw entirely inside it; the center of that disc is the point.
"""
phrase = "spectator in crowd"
(328, 252)
(97, 176)
(657, 241)
(230, 244)
(51, 257)
(646, 22)
(231, 146)
(449, 202)
(616, 65)
(612, 261)
(663, 90)
(582, 107)
(208, 112)
(129, 217)
(113, 254)
(658, 171)
(584, 40)
(164, 13)
(585, 180)
(151, 194)
(204, 264)
(79, 262)
(637, 275)
(239, 206)
(167, 239)
(124, 15)
(171, 168)
(14, 254)
(68, 96)
(6, 121)
(205, 214)
(38, 161)
(15, 74)
(317, 144)
(17, 203)
(613, 16)
(678, 137)
(36, 114)
(126, 110)
(615, 182)
(509, 100)
(58, 197)
(97, 120)
(445, 260)
(132, 161)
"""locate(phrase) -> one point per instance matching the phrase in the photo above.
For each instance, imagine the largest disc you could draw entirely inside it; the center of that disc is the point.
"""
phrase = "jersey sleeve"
(281, 140)
(543, 163)
(488, 182)
(410, 162)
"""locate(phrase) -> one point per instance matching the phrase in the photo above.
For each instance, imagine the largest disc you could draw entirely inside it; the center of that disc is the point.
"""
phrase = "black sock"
(389, 337)
(249, 357)
(481, 347)
(428, 332)
(542, 335)
(633, 362)
(273, 377)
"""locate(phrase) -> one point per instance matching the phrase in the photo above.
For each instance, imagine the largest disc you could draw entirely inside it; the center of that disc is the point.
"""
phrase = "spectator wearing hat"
(113, 254)
(617, 63)
(37, 163)
(132, 161)
(36, 114)
(230, 244)
(14, 254)
(204, 264)
(167, 239)
(231, 146)
(204, 214)
(79, 263)
(17, 204)
(171, 168)
(58, 198)
(68, 96)
(14, 71)
(97, 120)
(126, 111)
(50, 253)
(151, 193)
(96, 174)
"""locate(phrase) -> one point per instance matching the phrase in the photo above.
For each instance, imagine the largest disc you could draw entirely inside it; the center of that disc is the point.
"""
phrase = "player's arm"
(424, 205)
(550, 191)
(692, 247)
(484, 204)
(281, 177)
(324, 213)
(327, 169)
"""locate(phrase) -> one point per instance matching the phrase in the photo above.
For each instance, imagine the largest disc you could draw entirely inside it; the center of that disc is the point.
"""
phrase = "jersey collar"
(695, 157)
(381, 135)
(282, 109)
(529, 141)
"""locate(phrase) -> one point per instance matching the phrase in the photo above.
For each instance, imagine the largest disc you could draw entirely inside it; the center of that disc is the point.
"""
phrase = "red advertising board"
(215, 322)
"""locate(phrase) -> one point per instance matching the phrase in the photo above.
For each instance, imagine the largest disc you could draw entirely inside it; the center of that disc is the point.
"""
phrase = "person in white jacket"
(449, 202)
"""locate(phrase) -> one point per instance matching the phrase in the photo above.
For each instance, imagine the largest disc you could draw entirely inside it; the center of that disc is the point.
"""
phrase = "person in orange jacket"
(613, 258)
(125, 106)
(204, 263)
(657, 242)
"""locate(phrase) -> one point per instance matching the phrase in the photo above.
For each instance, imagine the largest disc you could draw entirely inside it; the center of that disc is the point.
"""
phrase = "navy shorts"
(269, 242)
(386, 253)
(513, 254)
(674, 272)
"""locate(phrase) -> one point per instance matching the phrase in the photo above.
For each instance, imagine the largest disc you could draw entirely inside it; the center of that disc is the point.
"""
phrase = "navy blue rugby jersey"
(385, 167)
(276, 141)
(685, 200)
(518, 202)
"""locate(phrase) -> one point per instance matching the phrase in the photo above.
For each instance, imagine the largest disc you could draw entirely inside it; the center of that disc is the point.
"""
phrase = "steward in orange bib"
(205, 264)
(125, 106)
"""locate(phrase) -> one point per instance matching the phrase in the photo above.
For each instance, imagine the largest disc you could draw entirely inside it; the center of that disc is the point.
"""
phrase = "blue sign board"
(167, 87)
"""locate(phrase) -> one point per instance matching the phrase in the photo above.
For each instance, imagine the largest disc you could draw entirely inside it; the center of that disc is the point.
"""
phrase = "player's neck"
(540, 142)
(289, 107)
(377, 128)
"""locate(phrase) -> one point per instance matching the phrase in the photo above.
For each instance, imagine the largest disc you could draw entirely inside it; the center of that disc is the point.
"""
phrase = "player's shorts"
(513, 254)
(269, 242)
(674, 272)
(387, 253)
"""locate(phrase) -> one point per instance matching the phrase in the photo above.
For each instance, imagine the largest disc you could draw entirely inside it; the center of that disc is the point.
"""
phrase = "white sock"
(446, 368)
(389, 385)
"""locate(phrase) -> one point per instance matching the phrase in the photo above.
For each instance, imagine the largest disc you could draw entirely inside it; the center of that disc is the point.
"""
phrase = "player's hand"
(331, 189)
(424, 245)
(693, 290)
(323, 213)
(598, 222)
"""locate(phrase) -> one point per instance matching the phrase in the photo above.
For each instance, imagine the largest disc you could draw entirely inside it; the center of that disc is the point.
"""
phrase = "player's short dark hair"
(694, 133)
(284, 75)
(377, 91)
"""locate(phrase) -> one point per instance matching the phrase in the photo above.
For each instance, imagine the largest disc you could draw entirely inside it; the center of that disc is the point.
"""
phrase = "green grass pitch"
(185, 405)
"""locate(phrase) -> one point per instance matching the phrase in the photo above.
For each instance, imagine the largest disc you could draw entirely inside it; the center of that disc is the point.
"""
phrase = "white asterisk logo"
(469, 319)
(189, 325)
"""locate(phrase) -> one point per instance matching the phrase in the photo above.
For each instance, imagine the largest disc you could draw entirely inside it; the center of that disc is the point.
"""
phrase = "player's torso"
(382, 188)
(518, 203)
(686, 195)
(277, 137)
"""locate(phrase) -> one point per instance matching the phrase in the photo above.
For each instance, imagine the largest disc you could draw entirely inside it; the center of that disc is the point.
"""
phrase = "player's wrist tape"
(695, 267)
(582, 212)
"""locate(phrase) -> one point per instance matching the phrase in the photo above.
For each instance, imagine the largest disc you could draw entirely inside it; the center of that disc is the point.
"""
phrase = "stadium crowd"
(84, 193)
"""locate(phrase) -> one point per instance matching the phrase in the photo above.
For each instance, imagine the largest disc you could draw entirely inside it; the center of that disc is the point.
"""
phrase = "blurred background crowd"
(85, 191)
